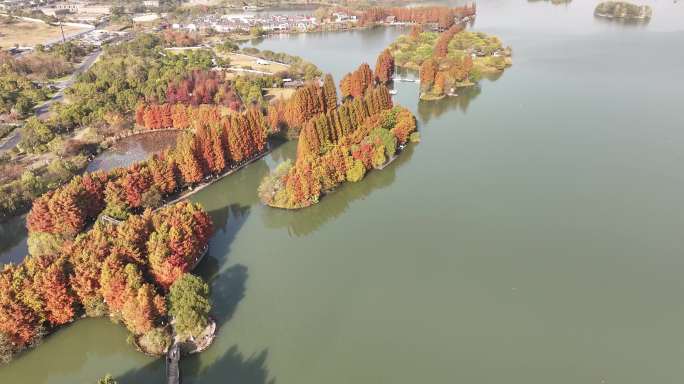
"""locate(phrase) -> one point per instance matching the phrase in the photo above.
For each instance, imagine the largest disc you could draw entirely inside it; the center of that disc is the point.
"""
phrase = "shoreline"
(217, 178)
(610, 16)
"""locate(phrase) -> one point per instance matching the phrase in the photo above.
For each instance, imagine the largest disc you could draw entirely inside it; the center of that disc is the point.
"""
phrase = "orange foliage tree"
(384, 67)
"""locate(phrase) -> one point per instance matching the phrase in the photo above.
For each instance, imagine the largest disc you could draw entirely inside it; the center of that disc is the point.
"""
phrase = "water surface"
(533, 236)
(131, 149)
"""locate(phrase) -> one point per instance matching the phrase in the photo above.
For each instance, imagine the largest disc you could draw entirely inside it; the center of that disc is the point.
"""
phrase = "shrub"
(107, 380)
(356, 171)
(156, 341)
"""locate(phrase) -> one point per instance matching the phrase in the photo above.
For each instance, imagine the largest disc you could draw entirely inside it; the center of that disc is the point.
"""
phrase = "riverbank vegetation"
(442, 17)
(138, 253)
(133, 82)
(451, 59)
(288, 116)
(337, 142)
(338, 146)
(623, 10)
(123, 271)
(98, 106)
(216, 145)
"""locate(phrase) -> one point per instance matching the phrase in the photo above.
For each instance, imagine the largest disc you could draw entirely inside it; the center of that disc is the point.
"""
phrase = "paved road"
(42, 111)
(10, 141)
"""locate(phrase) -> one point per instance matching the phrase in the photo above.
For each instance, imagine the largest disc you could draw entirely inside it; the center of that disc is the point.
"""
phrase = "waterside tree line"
(443, 16)
(451, 59)
(124, 271)
(216, 145)
(342, 142)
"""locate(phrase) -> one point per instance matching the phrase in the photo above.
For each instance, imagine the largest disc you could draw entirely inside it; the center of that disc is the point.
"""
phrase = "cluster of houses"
(12, 5)
(78, 10)
(267, 23)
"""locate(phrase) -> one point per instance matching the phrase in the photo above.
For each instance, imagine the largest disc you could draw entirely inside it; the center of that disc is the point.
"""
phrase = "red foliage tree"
(40, 218)
(53, 285)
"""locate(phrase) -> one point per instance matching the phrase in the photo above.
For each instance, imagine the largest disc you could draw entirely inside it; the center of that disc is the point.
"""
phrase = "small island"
(554, 2)
(622, 10)
(343, 144)
(451, 59)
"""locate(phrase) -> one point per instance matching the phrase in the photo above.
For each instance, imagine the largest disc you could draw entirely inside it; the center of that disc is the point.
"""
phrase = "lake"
(533, 236)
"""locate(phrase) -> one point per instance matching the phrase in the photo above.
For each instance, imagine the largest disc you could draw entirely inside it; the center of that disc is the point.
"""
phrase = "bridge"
(110, 220)
(172, 368)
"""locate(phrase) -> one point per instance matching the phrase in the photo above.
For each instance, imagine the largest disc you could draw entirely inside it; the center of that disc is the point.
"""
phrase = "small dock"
(172, 368)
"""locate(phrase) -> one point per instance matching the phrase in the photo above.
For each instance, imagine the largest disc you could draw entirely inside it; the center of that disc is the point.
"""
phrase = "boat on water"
(393, 92)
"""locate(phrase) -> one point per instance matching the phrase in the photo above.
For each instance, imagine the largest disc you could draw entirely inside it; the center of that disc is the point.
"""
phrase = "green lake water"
(533, 236)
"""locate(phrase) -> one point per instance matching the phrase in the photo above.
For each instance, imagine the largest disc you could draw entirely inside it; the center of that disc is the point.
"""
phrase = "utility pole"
(61, 27)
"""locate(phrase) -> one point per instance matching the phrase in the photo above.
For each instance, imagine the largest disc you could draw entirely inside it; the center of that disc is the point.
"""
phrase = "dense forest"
(102, 99)
(23, 79)
(133, 82)
(444, 17)
(219, 143)
(339, 143)
(124, 271)
(105, 243)
(136, 262)
(623, 10)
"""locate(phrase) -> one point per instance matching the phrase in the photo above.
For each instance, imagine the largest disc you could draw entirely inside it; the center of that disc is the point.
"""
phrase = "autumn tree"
(257, 127)
(440, 81)
(340, 145)
(362, 79)
(428, 71)
(52, 284)
(86, 256)
(442, 45)
(384, 68)
(17, 320)
(187, 159)
(416, 30)
(163, 170)
(330, 92)
(346, 86)
(180, 235)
